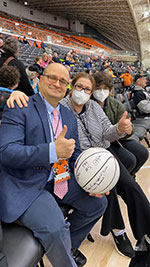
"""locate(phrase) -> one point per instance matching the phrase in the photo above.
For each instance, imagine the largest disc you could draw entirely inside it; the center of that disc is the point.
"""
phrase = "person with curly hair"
(9, 80)
(9, 77)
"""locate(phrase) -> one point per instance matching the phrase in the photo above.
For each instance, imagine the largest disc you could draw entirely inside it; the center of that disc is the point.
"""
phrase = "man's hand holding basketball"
(64, 147)
(99, 195)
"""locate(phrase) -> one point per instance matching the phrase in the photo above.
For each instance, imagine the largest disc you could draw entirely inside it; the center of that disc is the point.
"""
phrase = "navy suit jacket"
(24, 155)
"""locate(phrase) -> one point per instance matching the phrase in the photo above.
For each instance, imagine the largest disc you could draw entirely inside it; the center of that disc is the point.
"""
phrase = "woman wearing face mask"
(95, 129)
(133, 155)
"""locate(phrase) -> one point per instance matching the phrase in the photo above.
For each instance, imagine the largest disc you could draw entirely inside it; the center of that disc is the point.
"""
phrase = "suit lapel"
(64, 117)
(41, 109)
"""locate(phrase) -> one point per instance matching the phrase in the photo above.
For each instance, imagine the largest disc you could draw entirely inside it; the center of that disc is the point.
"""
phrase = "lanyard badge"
(61, 171)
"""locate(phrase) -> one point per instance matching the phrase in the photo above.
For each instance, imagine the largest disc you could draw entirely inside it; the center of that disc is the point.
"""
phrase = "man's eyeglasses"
(79, 87)
(53, 79)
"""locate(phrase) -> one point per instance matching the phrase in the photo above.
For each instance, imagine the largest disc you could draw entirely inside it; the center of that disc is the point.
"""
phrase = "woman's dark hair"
(83, 75)
(37, 58)
(102, 78)
(11, 46)
(9, 76)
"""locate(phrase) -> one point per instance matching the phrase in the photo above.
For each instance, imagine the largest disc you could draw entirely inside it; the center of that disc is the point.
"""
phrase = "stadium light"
(25, 3)
(146, 14)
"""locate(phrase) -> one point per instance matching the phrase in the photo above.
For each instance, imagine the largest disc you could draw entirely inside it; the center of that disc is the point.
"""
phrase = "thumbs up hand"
(64, 147)
(124, 125)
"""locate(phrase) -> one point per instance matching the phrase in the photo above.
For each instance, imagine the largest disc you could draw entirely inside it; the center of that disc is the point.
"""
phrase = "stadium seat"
(18, 246)
(141, 127)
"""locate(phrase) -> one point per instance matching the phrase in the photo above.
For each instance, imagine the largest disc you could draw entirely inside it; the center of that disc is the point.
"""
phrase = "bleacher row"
(28, 53)
(16, 26)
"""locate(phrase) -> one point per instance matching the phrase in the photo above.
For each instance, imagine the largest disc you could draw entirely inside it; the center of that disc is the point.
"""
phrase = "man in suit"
(28, 149)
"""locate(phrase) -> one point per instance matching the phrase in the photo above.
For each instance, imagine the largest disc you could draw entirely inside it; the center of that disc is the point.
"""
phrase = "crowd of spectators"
(105, 72)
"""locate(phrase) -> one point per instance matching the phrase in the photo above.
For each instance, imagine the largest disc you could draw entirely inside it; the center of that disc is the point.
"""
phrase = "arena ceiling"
(122, 21)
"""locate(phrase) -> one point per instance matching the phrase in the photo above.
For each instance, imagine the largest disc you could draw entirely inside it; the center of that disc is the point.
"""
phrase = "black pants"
(132, 154)
(137, 204)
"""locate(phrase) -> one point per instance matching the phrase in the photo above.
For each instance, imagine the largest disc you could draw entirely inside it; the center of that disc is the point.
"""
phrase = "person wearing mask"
(95, 129)
(30, 152)
(9, 57)
(132, 154)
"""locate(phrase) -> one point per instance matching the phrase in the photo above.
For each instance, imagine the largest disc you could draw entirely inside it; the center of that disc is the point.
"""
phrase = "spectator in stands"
(9, 57)
(95, 129)
(141, 96)
(88, 63)
(67, 61)
(103, 66)
(25, 41)
(138, 64)
(121, 65)
(127, 79)
(19, 40)
(9, 79)
(44, 61)
(28, 150)
(74, 54)
(109, 71)
(1, 43)
(77, 60)
(55, 57)
(1, 46)
(89, 71)
(33, 78)
(131, 153)
(71, 58)
(129, 68)
(37, 66)
(48, 49)
(1, 35)
(50, 59)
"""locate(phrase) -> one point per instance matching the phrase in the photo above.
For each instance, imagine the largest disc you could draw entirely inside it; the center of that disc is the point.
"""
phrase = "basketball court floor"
(102, 252)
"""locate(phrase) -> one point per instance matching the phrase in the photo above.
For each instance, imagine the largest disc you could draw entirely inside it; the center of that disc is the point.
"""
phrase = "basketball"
(96, 170)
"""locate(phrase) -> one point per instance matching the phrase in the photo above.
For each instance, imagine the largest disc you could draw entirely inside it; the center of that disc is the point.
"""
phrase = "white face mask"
(101, 95)
(80, 97)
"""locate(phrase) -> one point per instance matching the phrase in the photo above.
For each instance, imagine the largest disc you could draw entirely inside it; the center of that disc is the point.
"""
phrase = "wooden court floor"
(102, 252)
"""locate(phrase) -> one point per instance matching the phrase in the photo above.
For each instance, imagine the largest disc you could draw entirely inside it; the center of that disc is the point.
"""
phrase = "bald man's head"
(54, 82)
